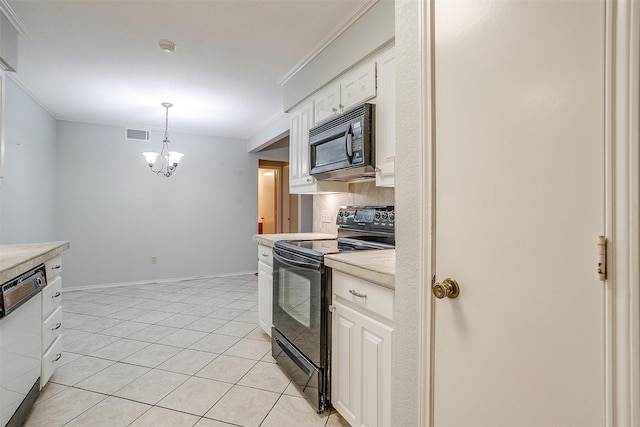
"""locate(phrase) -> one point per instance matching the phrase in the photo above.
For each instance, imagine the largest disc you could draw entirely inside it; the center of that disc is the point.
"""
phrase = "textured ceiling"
(99, 61)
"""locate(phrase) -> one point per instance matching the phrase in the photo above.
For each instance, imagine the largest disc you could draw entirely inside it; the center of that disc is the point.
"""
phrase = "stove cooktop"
(359, 228)
(335, 246)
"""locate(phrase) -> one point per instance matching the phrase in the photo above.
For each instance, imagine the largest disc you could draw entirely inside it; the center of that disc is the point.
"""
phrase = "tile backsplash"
(362, 193)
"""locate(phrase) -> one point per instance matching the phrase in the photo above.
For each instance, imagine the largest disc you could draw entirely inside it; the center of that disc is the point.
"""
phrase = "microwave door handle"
(348, 137)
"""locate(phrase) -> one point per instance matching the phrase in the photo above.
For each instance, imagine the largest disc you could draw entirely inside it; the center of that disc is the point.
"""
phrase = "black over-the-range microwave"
(342, 149)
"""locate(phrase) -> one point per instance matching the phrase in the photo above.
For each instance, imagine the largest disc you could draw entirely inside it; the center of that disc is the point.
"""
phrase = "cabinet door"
(358, 85)
(51, 296)
(265, 296)
(375, 345)
(386, 120)
(50, 361)
(327, 102)
(301, 121)
(345, 389)
(361, 368)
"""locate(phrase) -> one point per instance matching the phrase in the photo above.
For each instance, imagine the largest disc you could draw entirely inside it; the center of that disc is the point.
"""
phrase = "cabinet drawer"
(53, 267)
(265, 254)
(363, 294)
(51, 296)
(50, 360)
(51, 328)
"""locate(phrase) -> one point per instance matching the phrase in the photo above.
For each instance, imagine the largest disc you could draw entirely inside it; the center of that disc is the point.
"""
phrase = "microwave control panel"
(356, 142)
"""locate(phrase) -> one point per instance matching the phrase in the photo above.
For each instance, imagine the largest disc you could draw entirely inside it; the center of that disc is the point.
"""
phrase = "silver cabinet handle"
(56, 295)
(59, 355)
(265, 255)
(335, 110)
(356, 294)
(58, 325)
(308, 179)
(56, 267)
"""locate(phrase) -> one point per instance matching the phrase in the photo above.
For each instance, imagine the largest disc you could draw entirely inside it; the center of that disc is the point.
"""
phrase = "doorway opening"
(277, 209)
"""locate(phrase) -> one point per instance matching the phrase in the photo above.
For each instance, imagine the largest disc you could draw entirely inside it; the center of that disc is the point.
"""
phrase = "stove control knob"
(377, 215)
(391, 216)
(385, 215)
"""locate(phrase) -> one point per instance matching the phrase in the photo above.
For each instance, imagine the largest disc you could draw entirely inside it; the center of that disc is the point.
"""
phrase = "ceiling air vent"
(137, 135)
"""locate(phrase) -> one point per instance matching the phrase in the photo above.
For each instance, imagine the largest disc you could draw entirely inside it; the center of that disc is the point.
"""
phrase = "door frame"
(622, 180)
(622, 217)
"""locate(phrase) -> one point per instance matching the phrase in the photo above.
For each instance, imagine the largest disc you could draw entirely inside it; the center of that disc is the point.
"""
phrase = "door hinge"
(602, 258)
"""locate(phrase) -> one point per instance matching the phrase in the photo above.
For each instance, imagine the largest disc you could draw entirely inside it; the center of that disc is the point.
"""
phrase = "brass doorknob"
(448, 288)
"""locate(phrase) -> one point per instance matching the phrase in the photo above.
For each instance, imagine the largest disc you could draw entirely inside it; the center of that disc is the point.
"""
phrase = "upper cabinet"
(355, 87)
(300, 182)
(358, 86)
(386, 119)
(327, 102)
(374, 82)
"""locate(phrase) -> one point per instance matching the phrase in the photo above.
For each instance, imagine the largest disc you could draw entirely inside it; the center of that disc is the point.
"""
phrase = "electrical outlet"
(154, 260)
(325, 217)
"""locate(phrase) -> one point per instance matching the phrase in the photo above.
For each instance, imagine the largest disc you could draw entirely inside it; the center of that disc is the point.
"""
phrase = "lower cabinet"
(51, 320)
(361, 351)
(265, 296)
(265, 288)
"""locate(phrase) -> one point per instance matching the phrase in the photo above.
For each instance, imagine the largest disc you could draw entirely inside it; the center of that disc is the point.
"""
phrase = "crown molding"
(333, 34)
(13, 17)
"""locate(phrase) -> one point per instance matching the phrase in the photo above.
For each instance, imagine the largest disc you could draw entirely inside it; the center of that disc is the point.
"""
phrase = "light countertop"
(374, 266)
(270, 239)
(20, 258)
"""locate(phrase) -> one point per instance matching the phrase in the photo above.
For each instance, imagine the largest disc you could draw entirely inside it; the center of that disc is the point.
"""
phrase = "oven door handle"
(293, 357)
(294, 263)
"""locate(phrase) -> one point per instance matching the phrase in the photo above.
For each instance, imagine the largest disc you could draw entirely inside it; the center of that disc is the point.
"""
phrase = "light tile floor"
(174, 354)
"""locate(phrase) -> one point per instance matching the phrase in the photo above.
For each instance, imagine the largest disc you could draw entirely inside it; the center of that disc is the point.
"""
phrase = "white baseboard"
(148, 282)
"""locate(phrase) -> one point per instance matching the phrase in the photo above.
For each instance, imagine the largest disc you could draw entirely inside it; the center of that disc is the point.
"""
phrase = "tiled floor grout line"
(181, 378)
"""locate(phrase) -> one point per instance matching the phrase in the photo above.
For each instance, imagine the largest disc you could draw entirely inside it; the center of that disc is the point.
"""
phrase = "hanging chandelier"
(165, 162)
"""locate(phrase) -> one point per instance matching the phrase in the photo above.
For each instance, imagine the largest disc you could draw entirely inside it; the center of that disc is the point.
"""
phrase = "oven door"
(298, 304)
(301, 324)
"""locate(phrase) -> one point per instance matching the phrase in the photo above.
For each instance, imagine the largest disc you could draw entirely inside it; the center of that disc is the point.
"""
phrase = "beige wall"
(360, 194)
(411, 235)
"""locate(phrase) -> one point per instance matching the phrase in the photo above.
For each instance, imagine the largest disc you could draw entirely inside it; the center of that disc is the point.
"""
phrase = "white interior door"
(519, 184)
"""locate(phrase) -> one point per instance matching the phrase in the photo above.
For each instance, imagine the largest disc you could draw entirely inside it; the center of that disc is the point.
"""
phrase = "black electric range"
(301, 331)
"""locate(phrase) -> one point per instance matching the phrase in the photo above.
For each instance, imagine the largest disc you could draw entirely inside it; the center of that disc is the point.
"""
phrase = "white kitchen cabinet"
(300, 182)
(265, 288)
(362, 333)
(355, 87)
(327, 102)
(358, 85)
(51, 319)
(386, 119)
